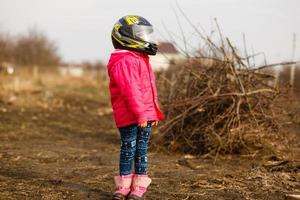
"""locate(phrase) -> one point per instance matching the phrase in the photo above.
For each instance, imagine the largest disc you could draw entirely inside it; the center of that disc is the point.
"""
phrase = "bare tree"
(35, 48)
(6, 46)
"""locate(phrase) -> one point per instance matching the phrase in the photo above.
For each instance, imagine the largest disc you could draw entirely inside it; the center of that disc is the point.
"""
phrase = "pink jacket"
(132, 88)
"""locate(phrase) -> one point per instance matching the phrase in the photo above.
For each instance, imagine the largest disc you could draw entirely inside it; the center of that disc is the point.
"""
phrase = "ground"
(58, 141)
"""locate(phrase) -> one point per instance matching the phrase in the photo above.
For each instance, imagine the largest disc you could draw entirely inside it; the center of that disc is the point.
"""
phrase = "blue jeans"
(134, 147)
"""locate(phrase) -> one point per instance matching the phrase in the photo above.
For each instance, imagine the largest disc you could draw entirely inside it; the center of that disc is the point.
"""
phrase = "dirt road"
(57, 143)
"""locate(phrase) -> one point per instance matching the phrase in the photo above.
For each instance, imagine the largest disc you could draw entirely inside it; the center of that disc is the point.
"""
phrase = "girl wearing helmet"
(134, 101)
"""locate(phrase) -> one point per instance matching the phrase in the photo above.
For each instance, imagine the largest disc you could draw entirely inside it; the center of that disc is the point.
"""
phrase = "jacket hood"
(120, 54)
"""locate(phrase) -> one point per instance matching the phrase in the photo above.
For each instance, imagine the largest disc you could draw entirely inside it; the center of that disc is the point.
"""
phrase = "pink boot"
(139, 187)
(123, 184)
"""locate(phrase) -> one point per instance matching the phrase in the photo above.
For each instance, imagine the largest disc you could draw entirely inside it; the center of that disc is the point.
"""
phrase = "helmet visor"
(144, 33)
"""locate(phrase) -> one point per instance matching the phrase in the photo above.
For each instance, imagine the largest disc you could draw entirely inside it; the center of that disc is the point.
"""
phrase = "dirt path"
(59, 145)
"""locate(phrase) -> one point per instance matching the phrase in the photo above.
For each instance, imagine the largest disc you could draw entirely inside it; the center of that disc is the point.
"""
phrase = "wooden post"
(277, 74)
(293, 67)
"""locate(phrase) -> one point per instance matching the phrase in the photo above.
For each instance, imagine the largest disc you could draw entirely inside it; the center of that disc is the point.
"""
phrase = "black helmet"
(134, 33)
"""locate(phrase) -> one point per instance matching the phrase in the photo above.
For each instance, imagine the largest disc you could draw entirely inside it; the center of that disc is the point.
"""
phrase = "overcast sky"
(82, 27)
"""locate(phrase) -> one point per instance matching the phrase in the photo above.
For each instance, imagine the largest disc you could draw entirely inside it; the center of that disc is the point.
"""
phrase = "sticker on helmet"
(131, 20)
(117, 26)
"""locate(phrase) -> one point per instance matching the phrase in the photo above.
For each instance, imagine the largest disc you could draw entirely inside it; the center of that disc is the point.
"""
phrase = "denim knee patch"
(128, 144)
(128, 149)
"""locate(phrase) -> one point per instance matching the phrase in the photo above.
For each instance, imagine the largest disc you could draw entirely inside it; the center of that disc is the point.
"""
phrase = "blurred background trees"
(6, 47)
(33, 48)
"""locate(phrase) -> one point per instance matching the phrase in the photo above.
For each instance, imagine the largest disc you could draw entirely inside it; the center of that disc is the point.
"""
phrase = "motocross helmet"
(134, 33)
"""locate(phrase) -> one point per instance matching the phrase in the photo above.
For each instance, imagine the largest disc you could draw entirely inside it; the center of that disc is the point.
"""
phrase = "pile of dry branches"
(216, 104)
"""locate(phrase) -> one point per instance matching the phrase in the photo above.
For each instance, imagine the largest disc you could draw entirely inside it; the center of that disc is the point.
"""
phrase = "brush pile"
(216, 104)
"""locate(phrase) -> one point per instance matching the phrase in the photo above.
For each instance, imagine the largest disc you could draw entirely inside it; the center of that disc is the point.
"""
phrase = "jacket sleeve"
(126, 76)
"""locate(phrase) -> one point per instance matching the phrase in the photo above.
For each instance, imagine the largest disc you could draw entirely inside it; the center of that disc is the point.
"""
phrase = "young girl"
(134, 101)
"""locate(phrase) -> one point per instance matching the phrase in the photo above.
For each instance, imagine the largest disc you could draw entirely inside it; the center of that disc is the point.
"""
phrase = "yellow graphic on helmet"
(117, 26)
(132, 20)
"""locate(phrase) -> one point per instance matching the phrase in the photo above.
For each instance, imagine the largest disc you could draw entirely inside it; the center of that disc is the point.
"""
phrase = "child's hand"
(155, 123)
(143, 124)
